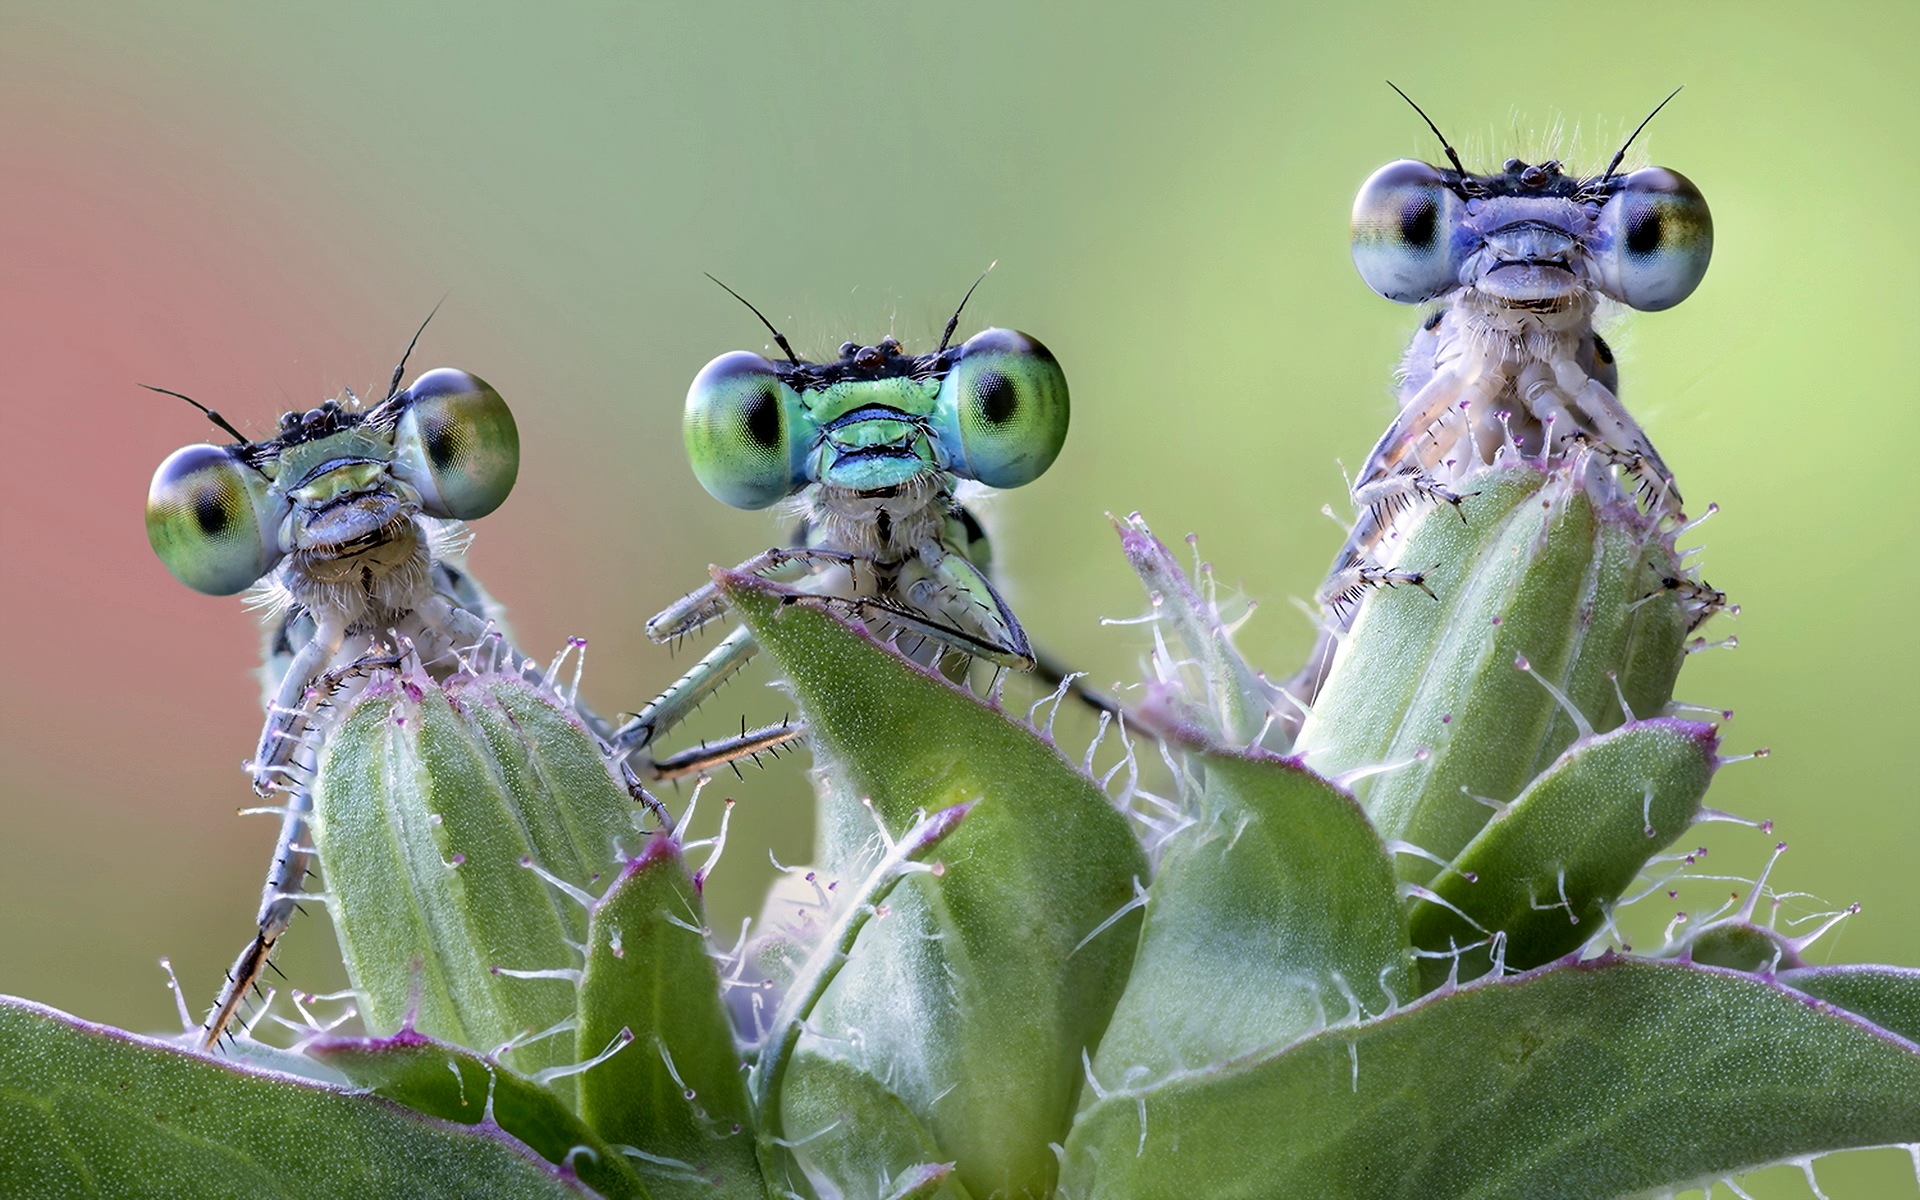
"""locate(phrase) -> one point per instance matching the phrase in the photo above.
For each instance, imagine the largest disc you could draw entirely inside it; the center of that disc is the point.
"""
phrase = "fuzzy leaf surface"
(1580, 833)
(455, 1084)
(88, 1111)
(851, 1132)
(974, 989)
(648, 972)
(1271, 910)
(1600, 1079)
(1535, 570)
(428, 803)
(1887, 996)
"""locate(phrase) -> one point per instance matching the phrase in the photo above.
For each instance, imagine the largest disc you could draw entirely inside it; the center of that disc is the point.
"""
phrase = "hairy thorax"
(885, 528)
(1513, 374)
(371, 582)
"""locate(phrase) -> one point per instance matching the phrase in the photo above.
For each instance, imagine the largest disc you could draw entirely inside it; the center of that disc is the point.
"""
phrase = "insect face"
(1530, 236)
(876, 420)
(334, 484)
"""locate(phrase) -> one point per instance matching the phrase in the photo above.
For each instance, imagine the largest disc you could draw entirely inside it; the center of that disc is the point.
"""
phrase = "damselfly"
(346, 526)
(1520, 261)
(870, 447)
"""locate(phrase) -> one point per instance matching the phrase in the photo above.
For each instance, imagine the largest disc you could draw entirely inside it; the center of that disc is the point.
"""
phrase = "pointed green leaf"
(850, 1132)
(677, 1093)
(91, 1111)
(457, 1085)
(1536, 571)
(1887, 996)
(1601, 1079)
(429, 805)
(981, 987)
(1273, 914)
(1543, 870)
(1242, 706)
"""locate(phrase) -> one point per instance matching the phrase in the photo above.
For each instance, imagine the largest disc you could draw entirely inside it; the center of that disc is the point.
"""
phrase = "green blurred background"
(257, 205)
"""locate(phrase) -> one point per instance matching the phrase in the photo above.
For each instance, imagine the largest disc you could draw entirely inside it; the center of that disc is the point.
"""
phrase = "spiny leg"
(704, 604)
(1433, 422)
(1698, 599)
(292, 857)
(1594, 402)
(1340, 596)
(287, 711)
(747, 744)
(1345, 588)
(1388, 497)
(1651, 481)
(684, 694)
(1399, 471)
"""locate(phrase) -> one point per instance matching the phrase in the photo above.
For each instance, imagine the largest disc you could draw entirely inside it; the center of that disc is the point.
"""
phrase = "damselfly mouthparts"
(870, 447)
(346, 526)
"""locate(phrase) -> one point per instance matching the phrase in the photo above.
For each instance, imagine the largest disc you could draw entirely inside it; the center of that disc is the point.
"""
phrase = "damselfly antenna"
(393, 388)
(953, 322)
(213, 416)
(1444, 143)
(1622, 152)
(780, 339)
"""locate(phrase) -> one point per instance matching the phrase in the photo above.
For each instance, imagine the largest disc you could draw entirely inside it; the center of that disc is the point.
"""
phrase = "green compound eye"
(457, 445)
(1003, 409)
(210, 520)
(1403, 225)
(1661, 238)
(741, 426)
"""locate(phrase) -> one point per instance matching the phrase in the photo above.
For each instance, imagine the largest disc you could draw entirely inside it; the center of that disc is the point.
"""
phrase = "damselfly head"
(1530, 235)
(876, 420)
(333, 482)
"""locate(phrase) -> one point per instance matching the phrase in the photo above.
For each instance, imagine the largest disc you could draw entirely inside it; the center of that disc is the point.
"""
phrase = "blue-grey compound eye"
(1003, 409)
(210, 520)
(1403, 224)
(457, 444)
(1659, 240)
(740, 431)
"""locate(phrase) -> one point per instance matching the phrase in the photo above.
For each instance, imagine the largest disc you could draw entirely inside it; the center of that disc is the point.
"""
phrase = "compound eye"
(1003, 409)
(456, 444)
(1403, 232)
(1661, 240)
(741, 431)
(211, 521)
